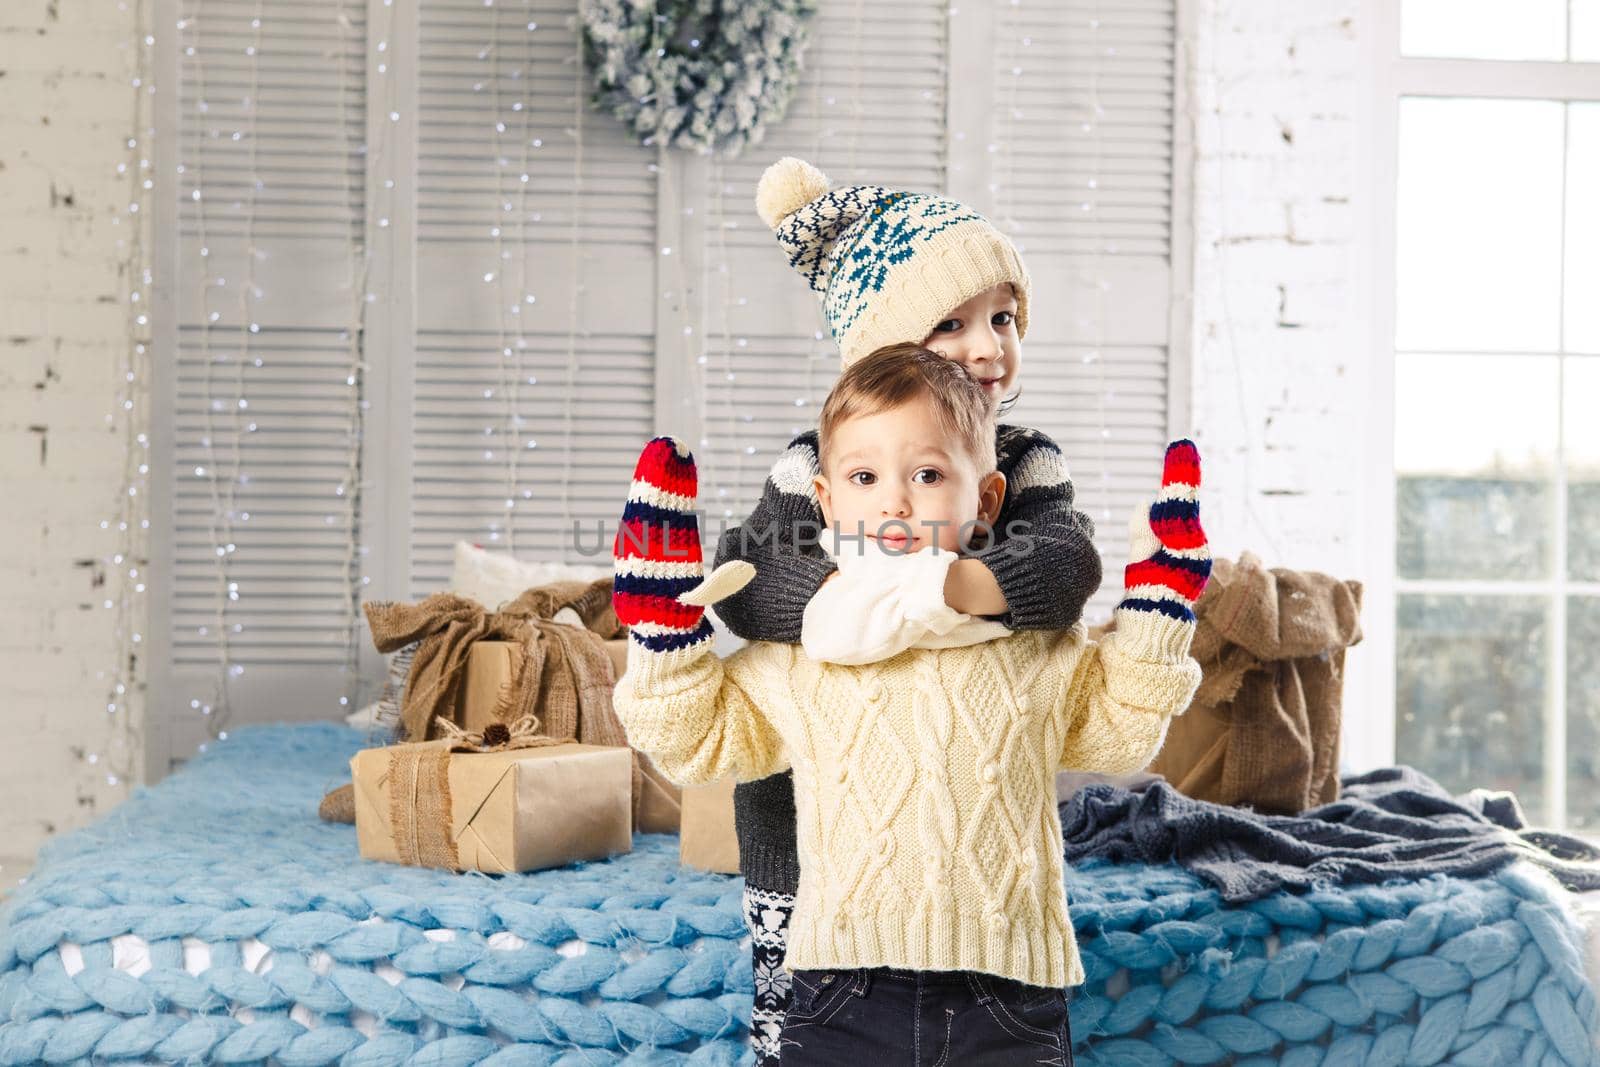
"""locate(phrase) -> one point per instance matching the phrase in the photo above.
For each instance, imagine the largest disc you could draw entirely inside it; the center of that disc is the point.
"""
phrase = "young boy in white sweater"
(931, 920)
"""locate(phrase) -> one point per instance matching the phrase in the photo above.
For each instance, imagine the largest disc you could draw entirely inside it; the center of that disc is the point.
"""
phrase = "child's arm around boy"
(1045, 579)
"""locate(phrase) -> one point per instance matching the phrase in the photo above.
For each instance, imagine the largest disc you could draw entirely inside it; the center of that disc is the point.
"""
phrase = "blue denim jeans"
(875, 1017)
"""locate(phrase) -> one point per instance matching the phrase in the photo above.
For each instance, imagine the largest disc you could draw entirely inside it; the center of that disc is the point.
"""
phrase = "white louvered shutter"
(1085, 188)
(544, 293)
(528, 415)
(258, 542)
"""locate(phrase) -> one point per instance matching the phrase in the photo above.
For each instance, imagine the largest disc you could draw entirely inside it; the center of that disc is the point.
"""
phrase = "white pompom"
(786, 187)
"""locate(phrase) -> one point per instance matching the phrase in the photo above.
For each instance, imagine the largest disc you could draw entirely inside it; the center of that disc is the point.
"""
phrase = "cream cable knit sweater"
(924, 783)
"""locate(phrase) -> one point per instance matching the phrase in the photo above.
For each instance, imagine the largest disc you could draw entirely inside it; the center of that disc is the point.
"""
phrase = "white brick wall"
(1281, 334)
(65, 115)
(1279, 341)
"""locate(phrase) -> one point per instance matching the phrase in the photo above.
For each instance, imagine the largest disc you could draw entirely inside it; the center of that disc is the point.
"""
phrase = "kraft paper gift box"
(707, 840)
(491, 666)
(499, 811)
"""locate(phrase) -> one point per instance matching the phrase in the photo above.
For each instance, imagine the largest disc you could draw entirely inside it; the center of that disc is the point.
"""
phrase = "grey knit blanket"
(1395, 822)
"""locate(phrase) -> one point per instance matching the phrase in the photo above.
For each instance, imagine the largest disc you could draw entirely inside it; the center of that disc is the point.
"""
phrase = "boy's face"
(899, 466)
(981, 335)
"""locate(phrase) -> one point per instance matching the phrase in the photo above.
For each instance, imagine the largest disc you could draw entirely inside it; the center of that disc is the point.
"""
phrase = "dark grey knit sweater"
(1045, 589)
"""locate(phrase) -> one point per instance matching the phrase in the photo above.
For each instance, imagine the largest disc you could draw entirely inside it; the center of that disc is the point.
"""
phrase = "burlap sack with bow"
(566, 676)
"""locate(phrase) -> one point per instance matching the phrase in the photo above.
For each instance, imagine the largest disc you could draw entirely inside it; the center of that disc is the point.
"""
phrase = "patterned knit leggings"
(767, 914)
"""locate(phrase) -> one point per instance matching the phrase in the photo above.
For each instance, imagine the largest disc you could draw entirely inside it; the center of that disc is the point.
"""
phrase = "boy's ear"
(991, 494)
(819, 484)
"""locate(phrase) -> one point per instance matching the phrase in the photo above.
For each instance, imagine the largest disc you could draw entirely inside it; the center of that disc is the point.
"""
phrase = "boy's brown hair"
(897, 374)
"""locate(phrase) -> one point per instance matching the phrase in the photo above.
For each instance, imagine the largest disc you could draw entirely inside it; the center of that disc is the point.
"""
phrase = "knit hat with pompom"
(890, 265)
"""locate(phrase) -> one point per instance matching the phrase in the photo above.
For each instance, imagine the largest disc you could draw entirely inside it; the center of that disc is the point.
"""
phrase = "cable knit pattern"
(925, 803)
(1045, 589)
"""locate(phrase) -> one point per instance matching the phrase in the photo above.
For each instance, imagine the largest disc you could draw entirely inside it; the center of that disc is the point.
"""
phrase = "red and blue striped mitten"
(659, 589)
(1169, 560)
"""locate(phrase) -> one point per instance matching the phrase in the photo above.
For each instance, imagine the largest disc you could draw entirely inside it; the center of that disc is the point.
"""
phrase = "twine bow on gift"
(495, 737)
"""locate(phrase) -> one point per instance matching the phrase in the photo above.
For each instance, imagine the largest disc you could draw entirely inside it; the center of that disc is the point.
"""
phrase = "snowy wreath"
(702, 74)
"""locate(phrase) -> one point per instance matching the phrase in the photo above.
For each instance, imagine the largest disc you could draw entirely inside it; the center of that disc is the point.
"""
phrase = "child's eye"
(1005, 318)
(934, 476)
(868, 475)
(948, 326)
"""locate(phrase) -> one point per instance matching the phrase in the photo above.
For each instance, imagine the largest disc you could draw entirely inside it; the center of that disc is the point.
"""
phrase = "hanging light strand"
(213, 704)
(575, 203)
(506, 453)
(126, 567)
(358, 262)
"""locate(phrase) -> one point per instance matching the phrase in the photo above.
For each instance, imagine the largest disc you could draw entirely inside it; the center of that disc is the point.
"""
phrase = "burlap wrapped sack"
(1263, 730)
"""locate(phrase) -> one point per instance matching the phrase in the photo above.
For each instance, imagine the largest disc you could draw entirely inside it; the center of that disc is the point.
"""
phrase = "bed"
(213, 918)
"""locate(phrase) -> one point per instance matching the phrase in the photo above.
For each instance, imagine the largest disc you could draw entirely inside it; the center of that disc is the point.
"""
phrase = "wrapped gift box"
(515, 809)
(707, 839)
(491, 666)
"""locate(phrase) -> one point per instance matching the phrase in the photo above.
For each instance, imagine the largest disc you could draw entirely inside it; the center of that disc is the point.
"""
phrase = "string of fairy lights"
(513, 122)
(225, 331)
(508, 305)
(118, 757)
(221, 488)
(358, 269)
(751, 449)
(1087, 140)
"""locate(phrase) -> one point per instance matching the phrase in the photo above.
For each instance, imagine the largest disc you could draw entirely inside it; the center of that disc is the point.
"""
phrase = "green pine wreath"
(710, 75)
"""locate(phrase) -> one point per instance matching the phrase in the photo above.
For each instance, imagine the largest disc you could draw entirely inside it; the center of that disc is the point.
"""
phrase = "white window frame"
(1393, 77)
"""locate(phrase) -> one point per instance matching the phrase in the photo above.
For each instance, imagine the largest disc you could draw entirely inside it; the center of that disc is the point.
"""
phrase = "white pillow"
(492, 578)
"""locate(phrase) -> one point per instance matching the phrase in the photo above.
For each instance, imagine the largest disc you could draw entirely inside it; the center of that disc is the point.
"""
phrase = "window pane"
(1469, 695)
(1475, 443)
(1478, 259)
(1484, 29)
(1582, 428)
(1586, 31)
(1583, 712)
(1583, 223)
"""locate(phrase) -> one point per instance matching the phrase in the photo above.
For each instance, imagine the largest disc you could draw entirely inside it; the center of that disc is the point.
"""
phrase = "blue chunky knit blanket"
(214, 919)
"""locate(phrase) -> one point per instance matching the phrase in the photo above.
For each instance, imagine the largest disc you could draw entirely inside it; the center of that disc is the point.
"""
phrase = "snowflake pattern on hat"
(859, 246)
(888, 236)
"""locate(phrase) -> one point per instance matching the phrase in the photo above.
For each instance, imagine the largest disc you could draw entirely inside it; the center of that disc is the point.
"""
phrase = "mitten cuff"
(1152, 636)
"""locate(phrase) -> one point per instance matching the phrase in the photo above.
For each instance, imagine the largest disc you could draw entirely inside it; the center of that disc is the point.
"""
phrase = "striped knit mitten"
(657, 588)
(1169, 562)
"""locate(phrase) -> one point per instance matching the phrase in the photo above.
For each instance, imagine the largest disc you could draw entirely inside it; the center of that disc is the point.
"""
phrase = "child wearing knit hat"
(931, 912)
(890, 267)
